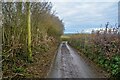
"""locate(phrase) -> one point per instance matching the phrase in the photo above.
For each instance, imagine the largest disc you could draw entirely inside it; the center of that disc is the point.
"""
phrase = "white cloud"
(86, 13)
(89, 30)
(62, 0)
(84, 0)
(82, 11)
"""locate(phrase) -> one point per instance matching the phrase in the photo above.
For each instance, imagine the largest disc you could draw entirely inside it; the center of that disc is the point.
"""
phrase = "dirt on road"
(68, 64)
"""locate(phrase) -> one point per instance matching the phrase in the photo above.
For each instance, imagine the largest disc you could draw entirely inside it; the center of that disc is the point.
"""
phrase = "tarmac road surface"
(68, 64)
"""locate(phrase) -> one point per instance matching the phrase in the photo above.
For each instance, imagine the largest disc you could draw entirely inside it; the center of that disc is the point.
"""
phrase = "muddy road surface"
(68, 64)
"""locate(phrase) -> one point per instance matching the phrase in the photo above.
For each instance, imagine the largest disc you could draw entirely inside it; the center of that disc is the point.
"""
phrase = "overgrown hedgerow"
(102, 46)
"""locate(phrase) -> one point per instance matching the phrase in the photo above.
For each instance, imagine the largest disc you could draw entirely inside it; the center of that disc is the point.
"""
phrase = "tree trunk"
(29, 33)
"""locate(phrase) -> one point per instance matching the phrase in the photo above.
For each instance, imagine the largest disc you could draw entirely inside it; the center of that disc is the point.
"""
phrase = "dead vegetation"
(30, 34)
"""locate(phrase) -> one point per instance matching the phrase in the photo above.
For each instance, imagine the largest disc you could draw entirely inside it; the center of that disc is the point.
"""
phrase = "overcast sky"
(86, 15)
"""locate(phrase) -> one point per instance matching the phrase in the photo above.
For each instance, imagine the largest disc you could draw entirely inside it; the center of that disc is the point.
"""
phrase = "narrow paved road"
(68, 64)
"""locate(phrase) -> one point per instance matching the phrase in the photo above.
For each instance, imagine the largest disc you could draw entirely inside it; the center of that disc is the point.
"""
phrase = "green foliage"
(18, 69)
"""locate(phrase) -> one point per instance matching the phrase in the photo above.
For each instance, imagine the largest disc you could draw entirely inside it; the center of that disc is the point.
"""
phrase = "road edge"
(53, 60)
